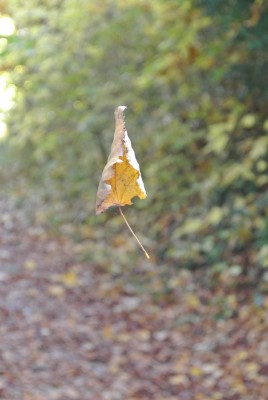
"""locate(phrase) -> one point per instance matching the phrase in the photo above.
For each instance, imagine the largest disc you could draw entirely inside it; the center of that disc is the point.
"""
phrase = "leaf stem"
(131, 230)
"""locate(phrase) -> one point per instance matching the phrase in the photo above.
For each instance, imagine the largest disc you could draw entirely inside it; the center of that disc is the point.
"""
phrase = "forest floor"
(71, 330)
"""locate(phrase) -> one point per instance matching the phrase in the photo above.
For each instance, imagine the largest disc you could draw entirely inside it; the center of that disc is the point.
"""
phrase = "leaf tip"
(121, 108)
(119, 113)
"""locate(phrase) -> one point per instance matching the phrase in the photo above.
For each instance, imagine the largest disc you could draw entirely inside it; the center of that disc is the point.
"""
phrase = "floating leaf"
(121, 178)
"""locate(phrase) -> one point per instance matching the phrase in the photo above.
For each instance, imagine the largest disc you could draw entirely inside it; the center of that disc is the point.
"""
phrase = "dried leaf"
(121, 178)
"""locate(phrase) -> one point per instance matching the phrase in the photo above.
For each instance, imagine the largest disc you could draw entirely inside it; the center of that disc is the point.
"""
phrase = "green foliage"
(192, 76)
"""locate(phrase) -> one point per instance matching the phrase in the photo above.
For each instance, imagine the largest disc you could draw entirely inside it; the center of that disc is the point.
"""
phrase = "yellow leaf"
(192, 301)
(195, 371)
(215, 215)
(69, 279)
(121, 178)
(56, 290)
(30, 264)
(252, 370)
(142, 335)
(248, 121)
(107, 332)
(179, 380)
(240, 356)
(259, 148)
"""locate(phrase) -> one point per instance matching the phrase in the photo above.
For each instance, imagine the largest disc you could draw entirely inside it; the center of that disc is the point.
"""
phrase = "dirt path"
(71, 331)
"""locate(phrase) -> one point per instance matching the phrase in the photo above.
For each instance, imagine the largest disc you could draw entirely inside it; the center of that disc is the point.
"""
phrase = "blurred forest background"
(193, 74)
(84, 315)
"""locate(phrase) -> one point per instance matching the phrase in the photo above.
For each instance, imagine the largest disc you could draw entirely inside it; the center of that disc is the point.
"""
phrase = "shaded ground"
(71, 330)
